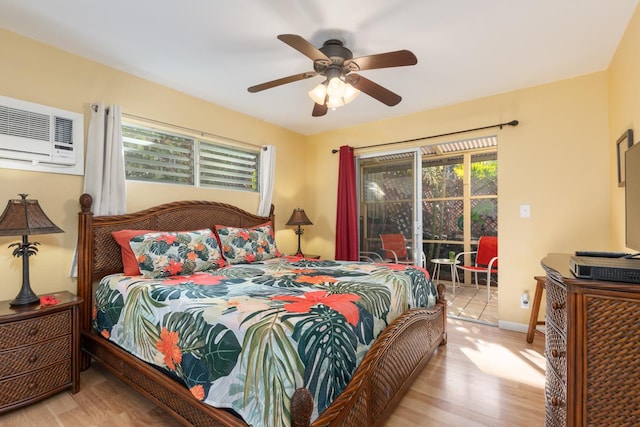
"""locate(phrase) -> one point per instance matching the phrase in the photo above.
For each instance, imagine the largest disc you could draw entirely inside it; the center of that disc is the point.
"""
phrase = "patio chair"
(396, 250)
(485, 260)
(372, 257)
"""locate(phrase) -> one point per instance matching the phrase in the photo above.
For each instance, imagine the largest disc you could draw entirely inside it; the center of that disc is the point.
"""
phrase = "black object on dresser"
(39, 350)
(592, 349)
(616, 269)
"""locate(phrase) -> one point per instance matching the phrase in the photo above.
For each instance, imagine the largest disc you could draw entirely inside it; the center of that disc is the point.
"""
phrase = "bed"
(349, 294)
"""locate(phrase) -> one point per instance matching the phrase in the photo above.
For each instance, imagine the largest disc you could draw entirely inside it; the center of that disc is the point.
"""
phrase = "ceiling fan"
(335, 62)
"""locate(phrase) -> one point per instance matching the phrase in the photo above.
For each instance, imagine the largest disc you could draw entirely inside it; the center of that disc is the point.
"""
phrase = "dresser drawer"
(24, 359)
(556, 351)
(555, 398)
(557, 304)
(15, 390)
(31, 331)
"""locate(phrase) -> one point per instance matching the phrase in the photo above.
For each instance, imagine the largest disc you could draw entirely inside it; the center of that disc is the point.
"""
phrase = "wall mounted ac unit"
(41, 138)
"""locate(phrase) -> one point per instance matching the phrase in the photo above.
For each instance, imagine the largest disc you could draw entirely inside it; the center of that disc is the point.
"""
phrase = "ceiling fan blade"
(399, 58)
(374, 90)
(303, 46)
(319, 110)
(282, 81)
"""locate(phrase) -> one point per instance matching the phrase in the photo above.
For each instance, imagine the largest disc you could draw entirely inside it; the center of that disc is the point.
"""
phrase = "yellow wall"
(554, 161)
(624, 113)
(35, 72)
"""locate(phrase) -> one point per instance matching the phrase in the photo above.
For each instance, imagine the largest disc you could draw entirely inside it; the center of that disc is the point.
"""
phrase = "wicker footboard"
(387, 371)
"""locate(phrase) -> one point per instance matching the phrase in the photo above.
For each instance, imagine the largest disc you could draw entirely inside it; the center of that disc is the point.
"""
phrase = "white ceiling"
(216, 49)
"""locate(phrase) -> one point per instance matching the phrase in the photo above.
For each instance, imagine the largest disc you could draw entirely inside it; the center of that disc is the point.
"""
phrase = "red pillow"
(129, 261)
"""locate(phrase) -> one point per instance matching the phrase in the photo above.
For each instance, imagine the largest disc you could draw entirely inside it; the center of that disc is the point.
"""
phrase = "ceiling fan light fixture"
(350, 93)
(335, 91)
(335, 88)
(318, 93)
(334, 103)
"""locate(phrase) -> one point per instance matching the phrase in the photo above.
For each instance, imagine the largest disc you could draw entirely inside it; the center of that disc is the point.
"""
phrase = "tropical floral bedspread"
(247, 336)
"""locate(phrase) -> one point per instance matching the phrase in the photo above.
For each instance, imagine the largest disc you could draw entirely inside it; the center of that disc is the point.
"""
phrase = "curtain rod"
(94, 107)
(500, 125)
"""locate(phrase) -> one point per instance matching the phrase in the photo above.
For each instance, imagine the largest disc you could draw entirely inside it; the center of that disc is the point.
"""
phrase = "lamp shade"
(23, 217)
(298, 217)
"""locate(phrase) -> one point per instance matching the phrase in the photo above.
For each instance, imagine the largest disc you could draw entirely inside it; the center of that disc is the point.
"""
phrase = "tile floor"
(469, 303)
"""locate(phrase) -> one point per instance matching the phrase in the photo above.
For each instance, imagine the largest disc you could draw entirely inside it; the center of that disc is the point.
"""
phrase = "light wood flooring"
(484, 376)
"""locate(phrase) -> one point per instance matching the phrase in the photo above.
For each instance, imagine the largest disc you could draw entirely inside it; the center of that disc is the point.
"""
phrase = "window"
(159, 156)
(155, 156)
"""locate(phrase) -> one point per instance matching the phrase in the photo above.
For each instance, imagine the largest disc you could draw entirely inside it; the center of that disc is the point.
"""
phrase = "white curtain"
(267, 177)
(104, 176)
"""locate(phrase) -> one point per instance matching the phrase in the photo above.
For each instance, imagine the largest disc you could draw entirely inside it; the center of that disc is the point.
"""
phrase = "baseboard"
(468, 319)
(513, 326)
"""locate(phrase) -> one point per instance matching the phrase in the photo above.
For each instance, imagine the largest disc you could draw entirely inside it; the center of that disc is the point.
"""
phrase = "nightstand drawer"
(24, 359)
(35, 330)
(34, 384)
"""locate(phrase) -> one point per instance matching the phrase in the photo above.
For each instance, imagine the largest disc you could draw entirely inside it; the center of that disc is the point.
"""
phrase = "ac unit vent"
(26, 124)
(64, 130)
(37, 137)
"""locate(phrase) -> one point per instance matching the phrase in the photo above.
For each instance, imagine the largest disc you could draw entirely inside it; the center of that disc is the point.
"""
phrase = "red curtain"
(347, 212)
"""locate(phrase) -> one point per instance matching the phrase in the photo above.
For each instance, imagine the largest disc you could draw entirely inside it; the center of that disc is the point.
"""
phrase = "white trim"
(513, 326)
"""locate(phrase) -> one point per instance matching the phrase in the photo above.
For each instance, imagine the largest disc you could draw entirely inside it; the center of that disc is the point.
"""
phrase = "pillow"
(246, 245)
(129, 261)
(176, 253)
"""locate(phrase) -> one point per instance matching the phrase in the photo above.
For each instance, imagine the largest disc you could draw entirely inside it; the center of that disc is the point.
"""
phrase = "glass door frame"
(416, 237)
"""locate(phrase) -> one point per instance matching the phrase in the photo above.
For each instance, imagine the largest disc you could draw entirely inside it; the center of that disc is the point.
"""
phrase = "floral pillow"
(246, 245)
(179, 253)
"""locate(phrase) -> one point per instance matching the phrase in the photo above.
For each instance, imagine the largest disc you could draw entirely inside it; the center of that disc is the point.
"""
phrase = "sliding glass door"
(442, 208)
(441, 200)
(459, 203)
(389, 189)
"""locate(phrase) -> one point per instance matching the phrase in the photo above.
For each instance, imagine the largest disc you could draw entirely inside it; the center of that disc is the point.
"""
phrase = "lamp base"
(25, 297)
(21, 300)
(25, 250)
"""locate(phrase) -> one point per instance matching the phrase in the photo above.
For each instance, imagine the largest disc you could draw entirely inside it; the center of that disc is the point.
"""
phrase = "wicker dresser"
(39, 349)
(592, 349)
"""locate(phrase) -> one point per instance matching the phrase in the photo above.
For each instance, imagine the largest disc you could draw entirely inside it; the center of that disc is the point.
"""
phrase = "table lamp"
(299, 218)
(23, 217)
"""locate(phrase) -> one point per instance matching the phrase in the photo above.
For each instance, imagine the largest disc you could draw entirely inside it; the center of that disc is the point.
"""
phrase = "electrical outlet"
(524, 300)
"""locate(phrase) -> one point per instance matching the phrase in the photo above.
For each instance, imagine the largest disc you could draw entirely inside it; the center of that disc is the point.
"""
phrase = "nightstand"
(39, 350)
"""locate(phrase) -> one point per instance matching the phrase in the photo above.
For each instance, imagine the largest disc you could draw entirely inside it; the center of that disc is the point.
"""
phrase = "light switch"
(525, 211)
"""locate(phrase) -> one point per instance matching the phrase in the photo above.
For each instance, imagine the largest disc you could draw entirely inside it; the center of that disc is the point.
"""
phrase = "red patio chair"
(485, 260)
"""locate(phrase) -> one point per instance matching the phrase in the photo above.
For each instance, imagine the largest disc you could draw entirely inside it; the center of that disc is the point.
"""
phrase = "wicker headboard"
(99, 254)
